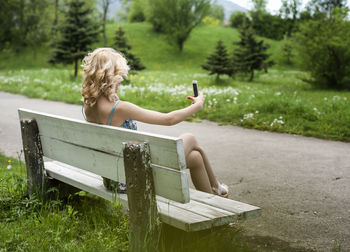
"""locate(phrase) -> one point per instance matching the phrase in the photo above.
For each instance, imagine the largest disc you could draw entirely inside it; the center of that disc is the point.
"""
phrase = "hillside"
(153, 48)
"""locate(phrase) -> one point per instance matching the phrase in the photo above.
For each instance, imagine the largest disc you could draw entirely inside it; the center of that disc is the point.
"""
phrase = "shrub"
(237, 19)
(324, 45)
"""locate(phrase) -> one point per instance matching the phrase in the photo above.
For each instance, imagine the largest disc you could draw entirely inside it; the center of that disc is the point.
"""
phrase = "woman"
(103, 70)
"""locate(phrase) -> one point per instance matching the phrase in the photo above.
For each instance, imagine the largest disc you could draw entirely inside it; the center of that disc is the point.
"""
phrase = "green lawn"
(276, 101)
(85, 223)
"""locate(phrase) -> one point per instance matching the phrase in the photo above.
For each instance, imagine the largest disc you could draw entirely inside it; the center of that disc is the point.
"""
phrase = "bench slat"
(168, 183)
(165, 151)
(218, 216)
(172, 213)
(243, 210)
(103, 164)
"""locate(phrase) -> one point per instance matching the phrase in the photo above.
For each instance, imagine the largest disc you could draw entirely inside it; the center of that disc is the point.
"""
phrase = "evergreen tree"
(250, 54)
(219, 63)
(122, 46)
(77, 34)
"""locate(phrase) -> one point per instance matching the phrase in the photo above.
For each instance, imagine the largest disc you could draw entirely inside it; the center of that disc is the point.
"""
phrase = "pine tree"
(77, 33)
(122, 46)
(219, 63)
(250, 54)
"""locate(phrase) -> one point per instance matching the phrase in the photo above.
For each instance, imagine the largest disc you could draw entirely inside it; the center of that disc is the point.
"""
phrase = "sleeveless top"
(128, 124)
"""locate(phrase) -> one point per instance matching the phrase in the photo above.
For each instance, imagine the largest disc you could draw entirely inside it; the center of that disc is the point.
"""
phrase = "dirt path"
(302, 184)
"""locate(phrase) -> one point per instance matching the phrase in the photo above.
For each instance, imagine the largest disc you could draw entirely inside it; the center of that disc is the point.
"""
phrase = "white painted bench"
(82, 152)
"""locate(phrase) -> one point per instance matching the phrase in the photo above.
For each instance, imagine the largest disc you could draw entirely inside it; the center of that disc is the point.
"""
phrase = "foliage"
(136, 13)
(259, 5)
(177, 18)
(267, 25)
(238, 19)
(211, 21)
(318, 7)
(289, 11)
(77, 33)
(304, 111)
(217, 11)
(250, 55)
(122, 46)
(24, 23)
(287, 50)
(324, 44)
(219, 63)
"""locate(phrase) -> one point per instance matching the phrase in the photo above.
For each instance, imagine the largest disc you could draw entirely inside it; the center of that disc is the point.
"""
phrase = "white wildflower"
(228, 100)
(257, 112)
(276, 121)
(248, 116)
(278, 93)
(345, 99)
(325, 98)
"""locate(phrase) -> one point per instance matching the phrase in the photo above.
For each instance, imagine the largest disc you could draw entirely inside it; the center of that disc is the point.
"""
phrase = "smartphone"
(195, 88)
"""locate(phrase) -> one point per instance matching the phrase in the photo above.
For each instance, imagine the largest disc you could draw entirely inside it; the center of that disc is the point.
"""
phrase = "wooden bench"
(80, 153)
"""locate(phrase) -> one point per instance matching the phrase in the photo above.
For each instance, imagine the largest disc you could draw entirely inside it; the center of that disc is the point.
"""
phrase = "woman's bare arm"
(128, 110)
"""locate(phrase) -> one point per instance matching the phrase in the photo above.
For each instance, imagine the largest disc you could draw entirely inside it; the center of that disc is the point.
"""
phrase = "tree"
(105, 5)
(317, 8)
(137, 11)
(219, 63)
(217, 11)
(177, 18)
(77, 33)
(237, 19)
(250, 54)
(286, 50)
(122, 46)
(259, 5)
(289, 11)
(324, 45)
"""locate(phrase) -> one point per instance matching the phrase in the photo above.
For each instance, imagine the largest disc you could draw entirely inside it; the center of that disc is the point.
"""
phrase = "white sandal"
(222, 190)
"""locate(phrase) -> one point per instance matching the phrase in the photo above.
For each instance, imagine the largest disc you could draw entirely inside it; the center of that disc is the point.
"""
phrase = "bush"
(237, 19)
(136, 13)
(324, 46)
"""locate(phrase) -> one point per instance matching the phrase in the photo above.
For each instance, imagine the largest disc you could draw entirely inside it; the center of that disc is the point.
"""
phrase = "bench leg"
(37, 181)
(144, 223)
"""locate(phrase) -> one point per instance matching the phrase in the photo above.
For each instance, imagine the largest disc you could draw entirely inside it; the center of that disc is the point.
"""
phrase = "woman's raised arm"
(128, 110)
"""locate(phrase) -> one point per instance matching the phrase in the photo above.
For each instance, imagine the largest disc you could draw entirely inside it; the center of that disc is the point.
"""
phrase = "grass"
(276, 101)
(84, 222)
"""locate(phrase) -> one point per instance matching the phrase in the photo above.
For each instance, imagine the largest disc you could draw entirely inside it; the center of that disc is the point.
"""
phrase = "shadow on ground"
(221, 239)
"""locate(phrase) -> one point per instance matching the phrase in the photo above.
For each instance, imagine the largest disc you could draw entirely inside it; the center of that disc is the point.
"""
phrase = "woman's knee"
(190, 143)
(194, 160)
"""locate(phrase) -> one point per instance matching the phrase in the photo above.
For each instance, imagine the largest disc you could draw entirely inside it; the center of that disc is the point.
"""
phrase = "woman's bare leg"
(197, 161)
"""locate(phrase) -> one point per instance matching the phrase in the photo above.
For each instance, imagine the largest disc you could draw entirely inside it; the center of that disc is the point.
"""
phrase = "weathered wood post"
(33, 155)
(37, 181)
(143, 218)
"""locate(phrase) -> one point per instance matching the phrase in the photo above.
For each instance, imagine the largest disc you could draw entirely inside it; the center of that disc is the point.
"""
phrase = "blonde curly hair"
(103, 69)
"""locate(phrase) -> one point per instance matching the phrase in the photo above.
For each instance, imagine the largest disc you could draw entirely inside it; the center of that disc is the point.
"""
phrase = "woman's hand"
(198, 101)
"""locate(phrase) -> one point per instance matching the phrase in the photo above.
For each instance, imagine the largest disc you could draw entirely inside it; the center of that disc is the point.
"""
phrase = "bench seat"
(203, 211)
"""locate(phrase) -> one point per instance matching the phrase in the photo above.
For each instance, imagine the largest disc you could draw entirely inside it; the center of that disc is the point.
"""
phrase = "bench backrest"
(98, 149)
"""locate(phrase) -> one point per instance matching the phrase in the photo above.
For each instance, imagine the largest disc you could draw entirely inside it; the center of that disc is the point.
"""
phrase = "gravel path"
(302, 184)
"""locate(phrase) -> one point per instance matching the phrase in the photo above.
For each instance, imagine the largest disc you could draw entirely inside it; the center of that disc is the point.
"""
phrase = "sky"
(273, 5)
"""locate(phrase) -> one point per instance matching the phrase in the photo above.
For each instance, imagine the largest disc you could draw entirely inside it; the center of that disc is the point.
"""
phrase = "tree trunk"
(21, 22)
(143, 219)
(55, 22)
(251, 76)
(105, 11)
(75, 68)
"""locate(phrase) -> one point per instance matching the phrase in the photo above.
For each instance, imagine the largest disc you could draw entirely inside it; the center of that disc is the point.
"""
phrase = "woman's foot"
(221, 190)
